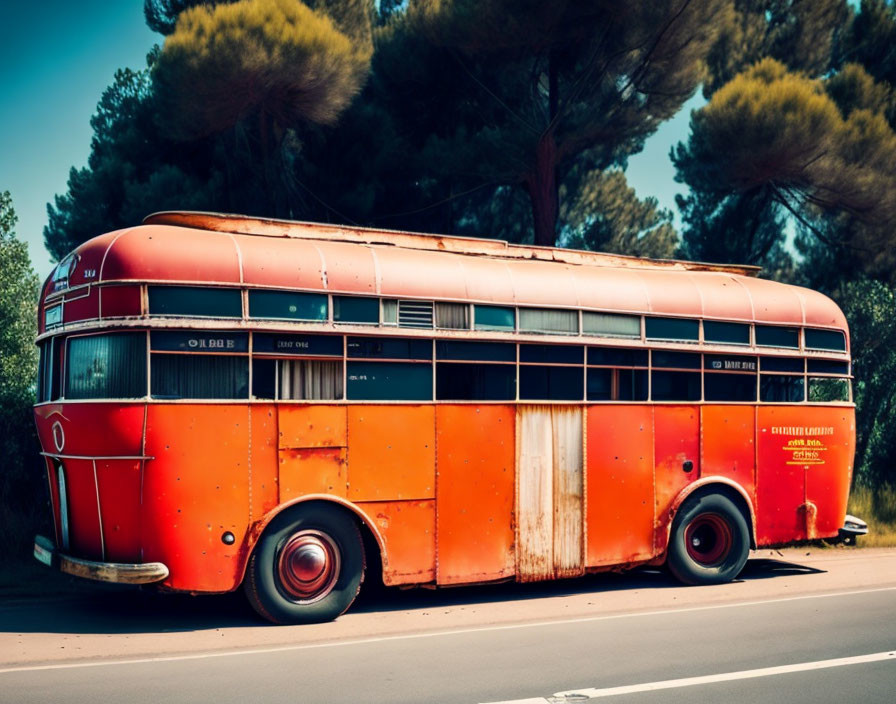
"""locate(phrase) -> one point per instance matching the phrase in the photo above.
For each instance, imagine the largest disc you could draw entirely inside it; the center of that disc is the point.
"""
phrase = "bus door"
(550, 492)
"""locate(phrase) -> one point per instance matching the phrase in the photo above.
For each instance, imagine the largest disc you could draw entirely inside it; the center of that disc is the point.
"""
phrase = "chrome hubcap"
(308, 565)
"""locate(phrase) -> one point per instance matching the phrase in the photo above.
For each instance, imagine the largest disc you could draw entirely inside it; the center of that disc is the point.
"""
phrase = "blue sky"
(56, 58)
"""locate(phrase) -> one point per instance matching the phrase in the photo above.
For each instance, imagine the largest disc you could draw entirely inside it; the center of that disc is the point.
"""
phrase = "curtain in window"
(310, 379)
(106, 366)
(453, 316)
(611, 324)
(547, 320)
(199, 376)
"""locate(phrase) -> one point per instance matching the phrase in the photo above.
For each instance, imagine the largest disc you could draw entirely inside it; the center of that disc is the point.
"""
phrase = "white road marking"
(590, 693)
(429, 634)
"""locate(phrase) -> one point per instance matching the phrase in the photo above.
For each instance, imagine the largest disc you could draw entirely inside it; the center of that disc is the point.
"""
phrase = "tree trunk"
(542, 188)
(542, 184)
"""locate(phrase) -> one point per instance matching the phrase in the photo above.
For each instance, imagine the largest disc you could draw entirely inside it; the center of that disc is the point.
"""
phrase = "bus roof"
(209, 249)
(269, 227)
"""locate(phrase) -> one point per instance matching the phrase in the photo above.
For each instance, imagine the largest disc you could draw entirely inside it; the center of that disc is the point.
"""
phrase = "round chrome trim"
(58, 436)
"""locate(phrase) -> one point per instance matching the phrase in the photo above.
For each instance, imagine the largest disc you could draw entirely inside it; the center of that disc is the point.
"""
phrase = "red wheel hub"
(308, 565)
(708, 539)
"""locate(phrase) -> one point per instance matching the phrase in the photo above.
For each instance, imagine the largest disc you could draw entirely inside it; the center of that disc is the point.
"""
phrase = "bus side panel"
(312, 451)
(408, 530)
(676, 443)
(264, 495)
(195, 489)
(620, 488)
(729, 448)
(780, 474)
(119, 489)
(827, 482)
(391, 452)
(475, 492)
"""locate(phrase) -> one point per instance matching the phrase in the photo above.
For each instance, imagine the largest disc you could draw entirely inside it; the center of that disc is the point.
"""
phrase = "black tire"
(709, 542)
(307, 567)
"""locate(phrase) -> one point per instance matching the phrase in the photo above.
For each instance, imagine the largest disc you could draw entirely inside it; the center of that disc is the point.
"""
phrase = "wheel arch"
(717, 485)
(370, 536)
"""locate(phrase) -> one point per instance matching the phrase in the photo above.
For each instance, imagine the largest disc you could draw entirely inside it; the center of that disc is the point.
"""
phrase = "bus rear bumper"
(117, 572)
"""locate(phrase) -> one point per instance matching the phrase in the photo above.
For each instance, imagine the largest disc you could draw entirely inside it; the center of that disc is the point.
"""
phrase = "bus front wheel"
(307, 566)
(709, 542)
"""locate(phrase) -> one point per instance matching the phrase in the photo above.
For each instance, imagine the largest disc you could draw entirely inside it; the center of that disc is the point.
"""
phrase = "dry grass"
(878, 508)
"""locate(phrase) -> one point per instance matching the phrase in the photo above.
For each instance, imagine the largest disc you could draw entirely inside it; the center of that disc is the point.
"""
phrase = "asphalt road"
(817, 627)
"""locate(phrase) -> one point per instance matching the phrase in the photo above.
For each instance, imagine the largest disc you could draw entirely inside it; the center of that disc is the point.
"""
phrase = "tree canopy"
(542, 91)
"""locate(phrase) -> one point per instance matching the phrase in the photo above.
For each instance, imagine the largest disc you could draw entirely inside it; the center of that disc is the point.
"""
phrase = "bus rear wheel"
(709, 542)
(307, 566)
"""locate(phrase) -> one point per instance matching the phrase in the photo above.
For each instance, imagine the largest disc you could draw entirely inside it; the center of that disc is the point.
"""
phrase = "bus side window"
(621, 376)
(729, 378)
(669, 384)
(781, 388)
(199, 364)
(389, 381)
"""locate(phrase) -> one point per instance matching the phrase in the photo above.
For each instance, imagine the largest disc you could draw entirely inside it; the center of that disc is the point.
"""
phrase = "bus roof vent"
(415, 314)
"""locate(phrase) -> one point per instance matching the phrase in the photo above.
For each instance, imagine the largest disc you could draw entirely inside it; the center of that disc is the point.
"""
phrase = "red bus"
(227, 401)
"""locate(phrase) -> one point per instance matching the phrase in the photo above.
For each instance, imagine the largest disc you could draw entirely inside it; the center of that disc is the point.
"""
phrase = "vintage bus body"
(465, 410)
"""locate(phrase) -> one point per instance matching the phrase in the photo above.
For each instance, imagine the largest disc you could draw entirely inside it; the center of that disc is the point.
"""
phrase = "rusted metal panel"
(408, 531)
(619, 477)
(304, 426)
(535, 493)
(568, 491)
(391, 452)
(550, 492)
(312, 470)
(196, 488)
(475, 492)
(676, 448)
(263, 461)
(729, 445)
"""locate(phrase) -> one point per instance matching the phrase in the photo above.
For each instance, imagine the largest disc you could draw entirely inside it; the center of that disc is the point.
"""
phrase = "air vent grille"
(415, 314)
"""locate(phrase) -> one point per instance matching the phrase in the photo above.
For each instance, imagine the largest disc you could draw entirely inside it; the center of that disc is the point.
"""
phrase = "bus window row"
(224, 365)
(298, 306)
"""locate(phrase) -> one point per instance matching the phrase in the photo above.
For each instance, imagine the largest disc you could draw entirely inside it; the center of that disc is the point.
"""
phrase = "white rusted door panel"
(535, 491)
(568, 491)
(549, 492)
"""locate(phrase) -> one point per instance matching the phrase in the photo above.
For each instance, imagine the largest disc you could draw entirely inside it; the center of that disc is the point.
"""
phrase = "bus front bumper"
(118, 572)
